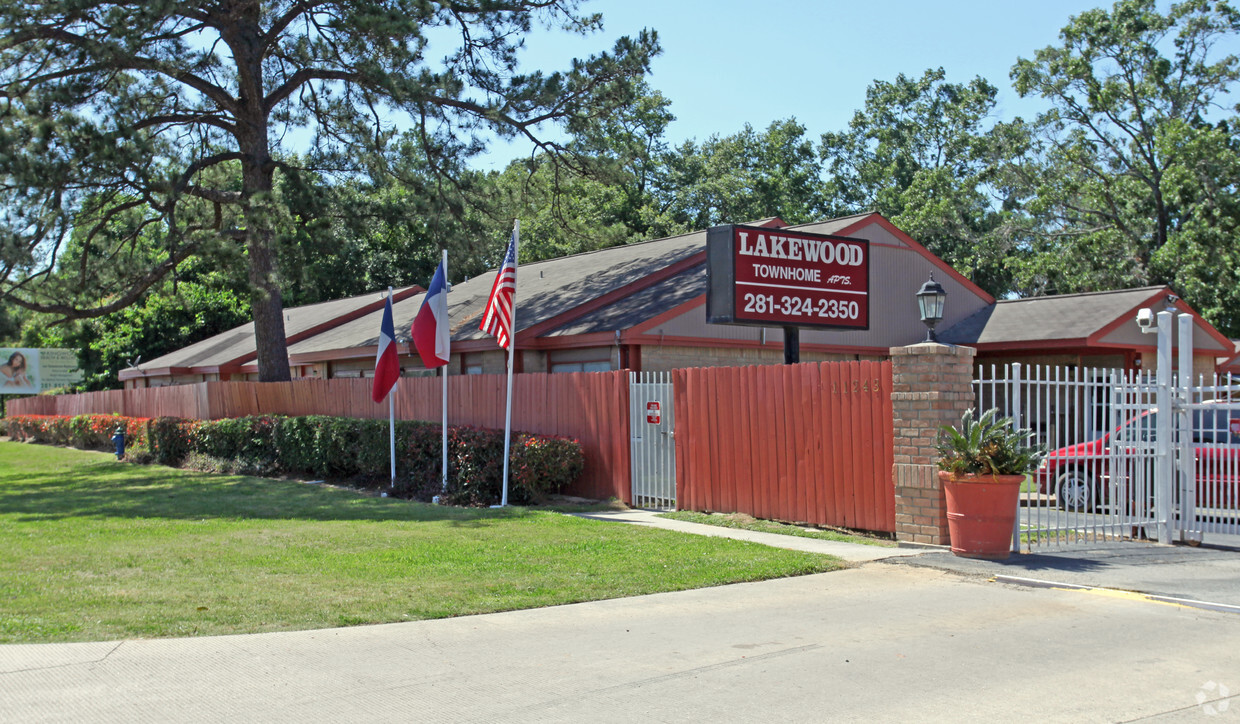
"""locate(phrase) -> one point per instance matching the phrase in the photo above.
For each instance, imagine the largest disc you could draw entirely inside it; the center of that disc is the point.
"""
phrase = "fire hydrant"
(118, 439)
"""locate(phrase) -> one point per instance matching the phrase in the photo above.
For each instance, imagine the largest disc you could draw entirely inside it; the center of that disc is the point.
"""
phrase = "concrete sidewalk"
(852, 552)
(879, 642)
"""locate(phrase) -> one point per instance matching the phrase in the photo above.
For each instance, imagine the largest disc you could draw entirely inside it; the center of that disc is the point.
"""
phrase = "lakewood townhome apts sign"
(779, 278)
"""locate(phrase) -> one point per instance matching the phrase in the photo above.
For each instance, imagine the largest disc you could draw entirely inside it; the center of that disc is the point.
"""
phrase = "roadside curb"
(1135, 595)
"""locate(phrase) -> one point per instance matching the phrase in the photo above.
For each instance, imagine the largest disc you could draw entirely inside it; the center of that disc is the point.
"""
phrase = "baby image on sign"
(19, 371)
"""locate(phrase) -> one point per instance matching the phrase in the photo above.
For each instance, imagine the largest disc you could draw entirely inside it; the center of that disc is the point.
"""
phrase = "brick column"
(932, 385)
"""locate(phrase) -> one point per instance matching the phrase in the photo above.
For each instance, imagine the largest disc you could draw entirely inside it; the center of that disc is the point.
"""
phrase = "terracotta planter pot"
(981, 512)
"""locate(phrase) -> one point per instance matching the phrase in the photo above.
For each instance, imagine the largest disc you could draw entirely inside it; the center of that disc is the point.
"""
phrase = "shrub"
(171, 439)
(246, 444)
(332, 447)
(296, 444)
(537, 465)
(541, 465)
(33, 428)
(91, 432)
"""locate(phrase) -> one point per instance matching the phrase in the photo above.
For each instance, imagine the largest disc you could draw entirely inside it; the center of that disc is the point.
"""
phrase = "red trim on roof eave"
(674, 312)
(1068, 346)
(354, 314)
(336, 355)
(1221, 366)
(125, 374)
(877, 218)
(1181, 306)
(571, 341)
(1041, 344)
(334, 322)
(559, 320)
(481, 345)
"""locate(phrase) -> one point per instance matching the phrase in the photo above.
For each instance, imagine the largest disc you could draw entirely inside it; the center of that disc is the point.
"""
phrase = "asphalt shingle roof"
(1060, 317)
(238, 343)
(544, 290)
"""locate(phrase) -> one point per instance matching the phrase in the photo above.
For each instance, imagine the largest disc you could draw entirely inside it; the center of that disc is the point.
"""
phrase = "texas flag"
(387, 366)
(430, 327)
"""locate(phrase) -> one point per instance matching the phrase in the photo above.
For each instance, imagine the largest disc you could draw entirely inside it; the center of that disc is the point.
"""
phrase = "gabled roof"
(617, 289)
(625, 292)
(236, 347)
(1230, 363)
(1059, 317)
(846, 225)
(1067, 320)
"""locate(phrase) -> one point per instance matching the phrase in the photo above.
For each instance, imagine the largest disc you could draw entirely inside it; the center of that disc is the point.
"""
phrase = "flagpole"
(444, 371)
(512, 350)
(392, 438)
(392, 417)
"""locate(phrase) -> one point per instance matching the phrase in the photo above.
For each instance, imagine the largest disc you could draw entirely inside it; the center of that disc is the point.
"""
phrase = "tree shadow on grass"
(103, 488)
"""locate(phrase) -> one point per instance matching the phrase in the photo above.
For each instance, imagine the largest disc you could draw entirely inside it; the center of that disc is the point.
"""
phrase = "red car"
(1079, 475)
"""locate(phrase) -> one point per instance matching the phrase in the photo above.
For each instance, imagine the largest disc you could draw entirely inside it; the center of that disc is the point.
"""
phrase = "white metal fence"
(1118, 467)
(1207, 494)
(1096, 483)
(652, 444)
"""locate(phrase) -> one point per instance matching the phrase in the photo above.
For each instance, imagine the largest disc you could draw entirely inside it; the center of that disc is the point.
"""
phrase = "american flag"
(497, 319)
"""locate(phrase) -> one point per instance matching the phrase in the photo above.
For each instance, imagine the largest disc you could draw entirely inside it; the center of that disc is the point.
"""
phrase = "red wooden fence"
(593, 408)
(808, 443)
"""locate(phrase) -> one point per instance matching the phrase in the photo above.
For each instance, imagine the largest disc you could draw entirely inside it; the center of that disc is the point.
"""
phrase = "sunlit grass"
(93, 549)
(748, 522)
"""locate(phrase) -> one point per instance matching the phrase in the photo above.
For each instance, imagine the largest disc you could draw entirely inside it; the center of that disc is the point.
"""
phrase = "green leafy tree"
(385, 228)
(619, 192)
(629, 156)
(748, 176)
(562, 212)
(1137, 178)
(925, 153)
(180, 113)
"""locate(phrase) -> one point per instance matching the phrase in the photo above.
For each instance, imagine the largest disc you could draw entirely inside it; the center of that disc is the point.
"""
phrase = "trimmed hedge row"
(93, 432)
(331, 447)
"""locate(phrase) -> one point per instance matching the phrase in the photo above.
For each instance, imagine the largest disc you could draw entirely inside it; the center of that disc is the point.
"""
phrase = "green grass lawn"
(746, 522)
(92, 549)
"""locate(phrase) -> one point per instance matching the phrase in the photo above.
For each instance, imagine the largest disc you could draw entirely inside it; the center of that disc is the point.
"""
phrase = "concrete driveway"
(1205, 576)
(886, 641)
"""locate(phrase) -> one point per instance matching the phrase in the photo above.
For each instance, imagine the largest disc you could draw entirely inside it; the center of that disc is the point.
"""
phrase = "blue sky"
(727, 62)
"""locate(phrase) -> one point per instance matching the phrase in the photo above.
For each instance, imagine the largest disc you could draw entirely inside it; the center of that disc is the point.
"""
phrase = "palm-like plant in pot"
(982, 465)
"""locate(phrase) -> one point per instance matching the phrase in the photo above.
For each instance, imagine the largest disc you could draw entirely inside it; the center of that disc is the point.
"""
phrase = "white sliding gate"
(651, 444)
(1097, 482)
(1119, 466)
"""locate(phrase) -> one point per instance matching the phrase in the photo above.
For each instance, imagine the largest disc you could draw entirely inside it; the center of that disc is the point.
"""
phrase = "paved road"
(881, 642)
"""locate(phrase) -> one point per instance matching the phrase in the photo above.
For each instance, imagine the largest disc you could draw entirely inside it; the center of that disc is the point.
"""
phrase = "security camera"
(1145, 319)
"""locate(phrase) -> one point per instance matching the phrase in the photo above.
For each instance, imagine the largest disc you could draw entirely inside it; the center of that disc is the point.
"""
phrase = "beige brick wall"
(661, 358)
(532, 361)
(494, 362)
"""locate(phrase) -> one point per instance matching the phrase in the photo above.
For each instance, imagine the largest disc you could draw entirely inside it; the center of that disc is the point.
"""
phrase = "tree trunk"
(257, 174)
(266, 301)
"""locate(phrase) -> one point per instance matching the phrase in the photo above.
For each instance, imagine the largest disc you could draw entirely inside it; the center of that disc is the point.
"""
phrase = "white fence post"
(1185, 483)
(1015, 399)
(1164, 463)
